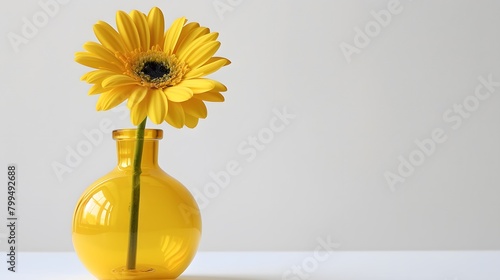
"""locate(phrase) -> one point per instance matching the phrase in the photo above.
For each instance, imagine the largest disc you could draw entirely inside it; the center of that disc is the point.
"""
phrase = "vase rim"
(131, 134)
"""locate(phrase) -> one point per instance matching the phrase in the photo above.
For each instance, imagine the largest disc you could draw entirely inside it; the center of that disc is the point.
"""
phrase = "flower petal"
(198, 85)
(102, 52)
(97, 76)
(178, 94)
(112, 98)
(128, 31)
(141, 23)
(93, 61)
(213, 64)
(96, 89)
(195, 107)
(217, 58)
(85, 76)
(189, 38)
(172, 35)
(191, 121)
(136, 96)
(108, 37)
(219, 86)
(211, 96)
(196, 44)
(156, 24)
(140, 111)
(202, 54)
(118, 80)
(186, 31)
(175, 115)
(158, 106)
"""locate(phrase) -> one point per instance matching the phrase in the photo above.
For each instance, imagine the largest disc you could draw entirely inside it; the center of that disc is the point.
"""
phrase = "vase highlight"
(169, 218)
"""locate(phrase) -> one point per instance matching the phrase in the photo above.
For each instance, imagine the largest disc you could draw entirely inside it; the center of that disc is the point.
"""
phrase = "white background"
(323, 175)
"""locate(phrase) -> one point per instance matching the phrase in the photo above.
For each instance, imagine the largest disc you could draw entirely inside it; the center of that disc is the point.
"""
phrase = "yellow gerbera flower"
(160, 73)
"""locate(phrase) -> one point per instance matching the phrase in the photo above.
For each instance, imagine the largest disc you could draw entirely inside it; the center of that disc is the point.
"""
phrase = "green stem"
(136, 195)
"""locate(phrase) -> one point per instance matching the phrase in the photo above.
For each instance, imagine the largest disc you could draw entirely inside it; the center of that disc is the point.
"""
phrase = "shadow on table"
(221, 278)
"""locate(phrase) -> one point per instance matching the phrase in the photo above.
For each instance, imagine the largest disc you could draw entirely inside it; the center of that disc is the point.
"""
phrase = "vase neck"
(126, 143)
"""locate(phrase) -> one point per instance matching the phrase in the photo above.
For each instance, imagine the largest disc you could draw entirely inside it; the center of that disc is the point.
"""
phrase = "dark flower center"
(155, 69)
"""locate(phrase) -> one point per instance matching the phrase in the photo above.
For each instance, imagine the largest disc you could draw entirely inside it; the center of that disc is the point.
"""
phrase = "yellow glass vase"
(169, 227)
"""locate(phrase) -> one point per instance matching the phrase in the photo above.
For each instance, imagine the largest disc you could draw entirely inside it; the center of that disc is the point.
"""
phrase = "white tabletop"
(339, 265)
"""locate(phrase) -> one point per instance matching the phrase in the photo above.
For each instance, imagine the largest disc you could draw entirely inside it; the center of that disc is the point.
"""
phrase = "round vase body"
(169, 224)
